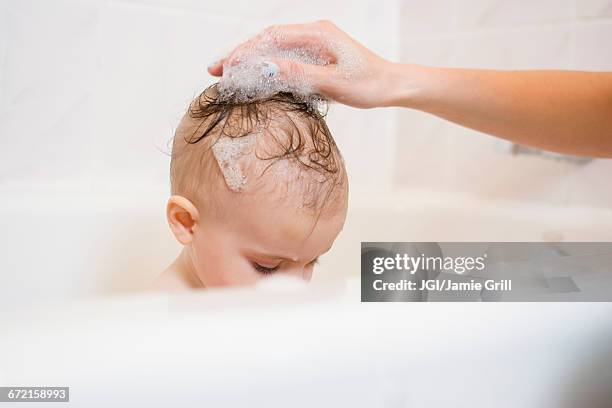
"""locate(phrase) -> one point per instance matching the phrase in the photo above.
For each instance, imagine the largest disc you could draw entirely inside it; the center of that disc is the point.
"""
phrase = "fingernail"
(212, 64)
(269, 69)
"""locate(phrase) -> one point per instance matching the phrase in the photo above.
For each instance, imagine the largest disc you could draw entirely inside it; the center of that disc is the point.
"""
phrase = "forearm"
(564, 111)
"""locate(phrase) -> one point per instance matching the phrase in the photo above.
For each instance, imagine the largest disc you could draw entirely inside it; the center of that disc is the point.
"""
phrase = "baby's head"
(258, 187)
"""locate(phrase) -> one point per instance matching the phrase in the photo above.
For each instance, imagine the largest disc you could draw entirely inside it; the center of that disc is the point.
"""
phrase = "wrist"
(406, 85)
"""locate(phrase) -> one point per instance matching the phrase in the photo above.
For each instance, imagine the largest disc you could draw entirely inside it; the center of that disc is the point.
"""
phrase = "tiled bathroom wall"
(434, 155)
(91, 90)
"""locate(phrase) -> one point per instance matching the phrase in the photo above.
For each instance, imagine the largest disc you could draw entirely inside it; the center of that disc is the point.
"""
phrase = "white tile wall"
(496, 14)
(46, 91)
(592, 45)
(439, 156)
(92, 90)
(593, 9)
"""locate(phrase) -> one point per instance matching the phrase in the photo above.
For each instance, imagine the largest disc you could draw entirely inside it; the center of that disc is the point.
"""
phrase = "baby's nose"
(302, 271)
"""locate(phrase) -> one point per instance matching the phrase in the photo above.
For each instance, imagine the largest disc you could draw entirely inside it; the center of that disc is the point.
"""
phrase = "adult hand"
(355, 76)
(562, 111)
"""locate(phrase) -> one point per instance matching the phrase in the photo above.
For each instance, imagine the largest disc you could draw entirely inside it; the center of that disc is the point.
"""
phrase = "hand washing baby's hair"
(258, 184)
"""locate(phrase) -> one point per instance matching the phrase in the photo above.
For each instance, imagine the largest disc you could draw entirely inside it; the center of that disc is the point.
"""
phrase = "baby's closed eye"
(268, 269)
(265, 269)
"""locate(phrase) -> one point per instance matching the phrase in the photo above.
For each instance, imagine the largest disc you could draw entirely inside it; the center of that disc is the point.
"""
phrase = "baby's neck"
(180, 275)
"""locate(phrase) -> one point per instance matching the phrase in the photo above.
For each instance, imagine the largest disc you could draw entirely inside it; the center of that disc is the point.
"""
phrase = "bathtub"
(58, 244)
(416, 216)
(72, 315)
(298, 345)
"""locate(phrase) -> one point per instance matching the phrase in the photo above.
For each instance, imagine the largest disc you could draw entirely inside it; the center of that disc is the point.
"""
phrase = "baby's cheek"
(218, 267)
(235, 271)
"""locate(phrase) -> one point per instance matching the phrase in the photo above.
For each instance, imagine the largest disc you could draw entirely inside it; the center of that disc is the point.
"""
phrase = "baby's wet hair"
(295, 132)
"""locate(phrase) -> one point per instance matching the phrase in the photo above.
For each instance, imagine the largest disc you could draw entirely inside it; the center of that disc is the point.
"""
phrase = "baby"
(258, 187)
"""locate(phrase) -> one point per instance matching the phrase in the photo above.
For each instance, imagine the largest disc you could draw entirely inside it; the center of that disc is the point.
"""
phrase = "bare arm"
(563, 111)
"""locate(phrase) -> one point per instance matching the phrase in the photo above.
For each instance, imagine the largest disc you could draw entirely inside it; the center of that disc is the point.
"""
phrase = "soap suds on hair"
(273, 146)
(227, 151)
(287, 99)
(233, 153)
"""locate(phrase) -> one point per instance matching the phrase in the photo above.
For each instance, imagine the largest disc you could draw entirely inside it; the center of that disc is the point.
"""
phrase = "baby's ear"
(182, 217)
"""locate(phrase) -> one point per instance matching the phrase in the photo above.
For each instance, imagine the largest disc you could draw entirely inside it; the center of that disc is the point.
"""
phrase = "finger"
(299, 35)
(318, 76)
(310, 36)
